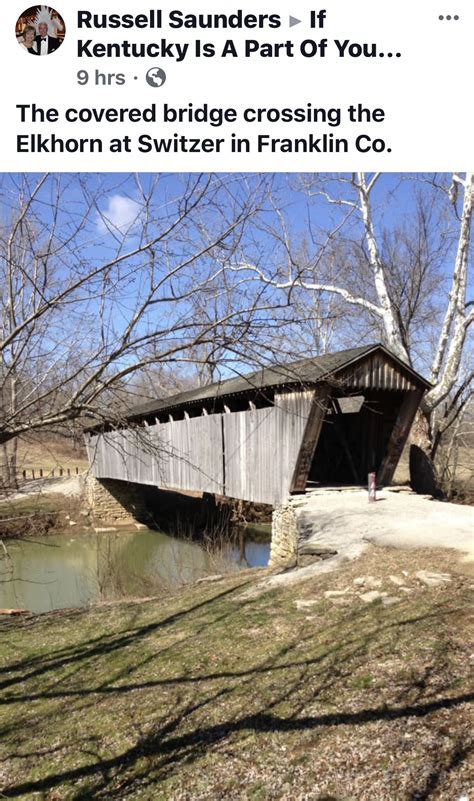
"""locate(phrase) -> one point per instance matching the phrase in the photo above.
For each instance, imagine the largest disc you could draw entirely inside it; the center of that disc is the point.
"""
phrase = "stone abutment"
(284, 545)
(115, 501)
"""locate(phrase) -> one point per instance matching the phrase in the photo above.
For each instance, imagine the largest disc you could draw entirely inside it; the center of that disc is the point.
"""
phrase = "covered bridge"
(263, 436)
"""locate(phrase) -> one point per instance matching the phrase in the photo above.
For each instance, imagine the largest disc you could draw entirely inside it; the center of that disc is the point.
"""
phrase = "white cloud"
(120, 216)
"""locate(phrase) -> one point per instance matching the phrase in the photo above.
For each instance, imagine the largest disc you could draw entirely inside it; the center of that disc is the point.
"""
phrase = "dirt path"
(397, 519)
(47, 486)
(344, 521)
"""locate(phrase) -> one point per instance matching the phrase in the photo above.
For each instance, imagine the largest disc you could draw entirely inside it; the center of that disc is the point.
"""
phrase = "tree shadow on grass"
(223, 698)
(112, 643)
(458, 754)
(99, 646)
(172, 749)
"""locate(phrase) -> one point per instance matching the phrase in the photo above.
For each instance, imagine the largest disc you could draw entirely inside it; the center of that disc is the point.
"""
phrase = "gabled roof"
(305, 372)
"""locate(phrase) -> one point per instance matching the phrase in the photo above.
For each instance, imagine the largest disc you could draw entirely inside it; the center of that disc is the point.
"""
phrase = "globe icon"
(155, 77)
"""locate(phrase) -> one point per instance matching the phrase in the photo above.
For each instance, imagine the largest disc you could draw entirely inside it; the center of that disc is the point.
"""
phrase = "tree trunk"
(423, 475)
(4, 467)
(8, 465)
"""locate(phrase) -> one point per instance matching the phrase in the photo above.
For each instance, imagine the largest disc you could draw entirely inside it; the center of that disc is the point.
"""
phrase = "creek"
(78, 568)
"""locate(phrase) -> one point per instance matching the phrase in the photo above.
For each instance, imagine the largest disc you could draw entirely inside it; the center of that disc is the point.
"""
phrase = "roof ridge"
(303, 372)
(276, 368)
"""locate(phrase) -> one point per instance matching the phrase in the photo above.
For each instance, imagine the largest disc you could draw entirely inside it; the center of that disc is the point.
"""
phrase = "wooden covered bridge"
(262, 437)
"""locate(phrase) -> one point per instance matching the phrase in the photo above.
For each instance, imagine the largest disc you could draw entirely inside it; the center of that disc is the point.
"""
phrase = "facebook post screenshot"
(237, 401)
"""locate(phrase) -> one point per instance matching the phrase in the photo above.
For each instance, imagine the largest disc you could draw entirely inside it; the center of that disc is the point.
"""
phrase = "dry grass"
(49, 455)
(457, 477)
(208, 696)
(36, 514)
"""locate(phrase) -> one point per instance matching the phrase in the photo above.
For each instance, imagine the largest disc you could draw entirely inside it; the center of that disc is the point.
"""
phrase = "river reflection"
(76, 569)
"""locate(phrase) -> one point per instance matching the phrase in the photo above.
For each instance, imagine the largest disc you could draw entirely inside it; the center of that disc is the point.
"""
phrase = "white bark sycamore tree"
(388, 296)
(99, 278)
(102, 278)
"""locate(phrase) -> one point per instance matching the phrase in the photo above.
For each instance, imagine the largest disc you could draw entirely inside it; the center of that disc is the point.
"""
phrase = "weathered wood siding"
(249, 463)
(377, 371)
(399, 436)
(310, 438)
(183, 454)
(295, 409)
(189, 455)
(248, 455)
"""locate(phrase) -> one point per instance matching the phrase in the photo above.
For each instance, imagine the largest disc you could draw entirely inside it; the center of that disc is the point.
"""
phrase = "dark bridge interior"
(354, 437)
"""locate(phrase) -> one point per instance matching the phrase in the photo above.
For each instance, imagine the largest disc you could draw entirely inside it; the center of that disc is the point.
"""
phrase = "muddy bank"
(40, 515)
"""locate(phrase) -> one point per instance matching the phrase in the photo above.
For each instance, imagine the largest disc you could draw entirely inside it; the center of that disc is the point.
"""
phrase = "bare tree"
(102, 283)
(394, 278)
(100, 280)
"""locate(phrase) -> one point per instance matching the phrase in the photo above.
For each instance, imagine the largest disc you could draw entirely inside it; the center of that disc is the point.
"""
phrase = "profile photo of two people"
(40, 30)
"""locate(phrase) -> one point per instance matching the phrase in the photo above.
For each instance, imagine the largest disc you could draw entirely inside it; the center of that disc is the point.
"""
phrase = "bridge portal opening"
(354, 437)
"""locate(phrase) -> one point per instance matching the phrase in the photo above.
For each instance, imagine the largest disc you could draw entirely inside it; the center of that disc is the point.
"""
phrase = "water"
(75, 569)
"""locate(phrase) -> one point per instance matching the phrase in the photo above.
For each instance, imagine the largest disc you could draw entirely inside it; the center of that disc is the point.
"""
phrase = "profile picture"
(40, 30)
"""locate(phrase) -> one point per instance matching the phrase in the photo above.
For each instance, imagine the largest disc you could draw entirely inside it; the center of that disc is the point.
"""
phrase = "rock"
(433, 579)
(406, 589)
(305, 561)
(390, 600)
(399, 582)
(105, 529)
(72, 523)
(306, 529)
(313, 549)
(140, 526)
(336, 593)
(373, 595)
(373, 583)
(370, 582)
(205, 579)
(305, 604)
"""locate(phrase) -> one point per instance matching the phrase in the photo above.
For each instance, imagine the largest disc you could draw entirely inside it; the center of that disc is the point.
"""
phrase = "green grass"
(363, 682)
(209, 694)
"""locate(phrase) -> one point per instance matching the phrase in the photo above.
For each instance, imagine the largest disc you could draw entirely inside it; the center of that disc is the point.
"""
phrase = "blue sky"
(118, 215)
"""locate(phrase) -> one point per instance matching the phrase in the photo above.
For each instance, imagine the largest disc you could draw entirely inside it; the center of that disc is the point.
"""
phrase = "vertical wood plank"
(399, 435)
(309, 439)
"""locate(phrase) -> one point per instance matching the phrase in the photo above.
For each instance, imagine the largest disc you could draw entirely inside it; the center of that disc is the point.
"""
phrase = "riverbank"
(53, 554)
(41, 513)
(72, 569)
(304, 692)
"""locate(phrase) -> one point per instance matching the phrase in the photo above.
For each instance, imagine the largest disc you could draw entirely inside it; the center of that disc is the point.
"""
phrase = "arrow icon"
(294, 21)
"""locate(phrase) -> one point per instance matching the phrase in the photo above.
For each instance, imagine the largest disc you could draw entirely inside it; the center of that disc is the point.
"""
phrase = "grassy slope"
(50, 454)
(208, 695)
